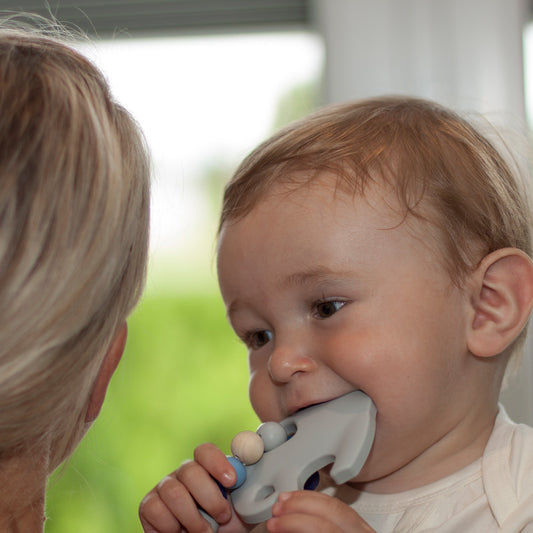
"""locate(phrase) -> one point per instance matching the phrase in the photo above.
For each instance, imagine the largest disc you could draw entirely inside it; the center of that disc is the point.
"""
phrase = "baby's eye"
(257, 339)
(327, 308)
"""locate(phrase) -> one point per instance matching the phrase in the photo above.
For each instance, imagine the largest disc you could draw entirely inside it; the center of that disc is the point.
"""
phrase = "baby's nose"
(286, 361)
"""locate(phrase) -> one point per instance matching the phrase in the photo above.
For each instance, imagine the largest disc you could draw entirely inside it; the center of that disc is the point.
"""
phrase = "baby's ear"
(502, 298)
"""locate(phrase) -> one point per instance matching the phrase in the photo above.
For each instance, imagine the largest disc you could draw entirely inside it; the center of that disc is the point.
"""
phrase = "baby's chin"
(375, 476)
(358, 482)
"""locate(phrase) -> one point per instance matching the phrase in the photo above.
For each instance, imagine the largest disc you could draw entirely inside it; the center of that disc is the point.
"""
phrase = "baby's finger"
(317, 508)
(213, 460)
(301, 523)
(202, 490)
(156, 517)
(180, 500)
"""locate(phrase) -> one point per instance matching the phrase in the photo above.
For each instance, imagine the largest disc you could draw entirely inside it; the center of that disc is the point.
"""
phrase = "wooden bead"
(247, 447)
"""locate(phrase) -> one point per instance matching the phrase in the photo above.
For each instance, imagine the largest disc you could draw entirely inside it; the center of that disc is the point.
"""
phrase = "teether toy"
(339, 432)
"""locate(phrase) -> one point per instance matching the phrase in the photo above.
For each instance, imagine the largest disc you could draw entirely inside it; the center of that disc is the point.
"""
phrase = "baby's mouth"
(306, 405)
(303, 407)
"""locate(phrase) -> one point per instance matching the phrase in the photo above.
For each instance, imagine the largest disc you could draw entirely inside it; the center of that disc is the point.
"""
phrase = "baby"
(382, 246)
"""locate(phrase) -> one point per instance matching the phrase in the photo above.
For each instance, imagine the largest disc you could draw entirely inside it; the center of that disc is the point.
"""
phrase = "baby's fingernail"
(284, 496)
(229, 478)
(224, 517)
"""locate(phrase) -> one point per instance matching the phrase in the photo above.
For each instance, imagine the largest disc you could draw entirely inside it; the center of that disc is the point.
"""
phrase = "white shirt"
(495, 493)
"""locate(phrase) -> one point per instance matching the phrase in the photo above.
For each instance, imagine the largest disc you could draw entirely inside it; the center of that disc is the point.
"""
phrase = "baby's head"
(74, 207)
(381, 245)
(441, 168)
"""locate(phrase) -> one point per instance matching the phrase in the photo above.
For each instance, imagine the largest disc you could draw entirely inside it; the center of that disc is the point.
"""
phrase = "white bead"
(247, 447)
(273, 435)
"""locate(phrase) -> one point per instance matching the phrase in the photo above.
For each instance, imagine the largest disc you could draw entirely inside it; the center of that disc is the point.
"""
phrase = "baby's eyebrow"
(310, 276)
(314, 275)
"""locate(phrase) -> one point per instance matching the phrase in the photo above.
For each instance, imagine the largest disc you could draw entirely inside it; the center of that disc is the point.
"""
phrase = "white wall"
(466, 54)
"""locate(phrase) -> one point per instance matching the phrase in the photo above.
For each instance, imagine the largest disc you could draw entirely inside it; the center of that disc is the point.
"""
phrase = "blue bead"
(240, 469)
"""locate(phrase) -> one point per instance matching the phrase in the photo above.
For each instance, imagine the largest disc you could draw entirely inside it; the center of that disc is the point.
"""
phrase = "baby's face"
(332, 293)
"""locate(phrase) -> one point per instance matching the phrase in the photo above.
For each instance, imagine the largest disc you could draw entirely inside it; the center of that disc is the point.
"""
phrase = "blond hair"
(74, 208)
(442, 169)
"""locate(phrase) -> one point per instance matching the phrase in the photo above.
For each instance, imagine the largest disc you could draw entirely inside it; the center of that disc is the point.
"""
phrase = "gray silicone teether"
(340, 431)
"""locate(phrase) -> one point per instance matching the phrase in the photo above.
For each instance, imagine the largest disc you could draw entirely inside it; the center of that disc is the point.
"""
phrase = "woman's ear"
(502, 299)
(107, 369)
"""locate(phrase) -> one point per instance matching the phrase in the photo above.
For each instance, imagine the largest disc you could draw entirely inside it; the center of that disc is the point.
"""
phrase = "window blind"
(105, 17)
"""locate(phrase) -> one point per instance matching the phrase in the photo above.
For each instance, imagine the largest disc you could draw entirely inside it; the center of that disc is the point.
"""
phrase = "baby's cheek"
(389, 452)
(263, 401)
(363, 364)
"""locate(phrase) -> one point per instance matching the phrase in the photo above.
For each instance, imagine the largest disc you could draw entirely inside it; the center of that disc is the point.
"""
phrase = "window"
(203, 103)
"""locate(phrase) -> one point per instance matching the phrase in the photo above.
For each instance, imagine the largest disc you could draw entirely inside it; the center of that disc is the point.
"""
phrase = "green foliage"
(183, 381)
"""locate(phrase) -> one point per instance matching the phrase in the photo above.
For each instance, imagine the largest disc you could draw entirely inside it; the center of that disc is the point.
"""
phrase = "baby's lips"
(299, 406)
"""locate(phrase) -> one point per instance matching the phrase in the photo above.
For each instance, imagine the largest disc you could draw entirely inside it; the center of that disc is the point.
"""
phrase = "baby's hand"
(172, 506)
(313, 512)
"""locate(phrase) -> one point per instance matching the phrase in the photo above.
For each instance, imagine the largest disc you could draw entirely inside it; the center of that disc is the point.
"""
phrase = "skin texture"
(330, 293)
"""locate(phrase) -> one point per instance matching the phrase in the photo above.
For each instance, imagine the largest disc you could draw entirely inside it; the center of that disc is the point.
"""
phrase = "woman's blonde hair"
(74, 218)
(443, 169)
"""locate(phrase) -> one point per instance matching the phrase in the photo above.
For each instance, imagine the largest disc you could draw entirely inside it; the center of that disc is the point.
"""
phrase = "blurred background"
(208, 80)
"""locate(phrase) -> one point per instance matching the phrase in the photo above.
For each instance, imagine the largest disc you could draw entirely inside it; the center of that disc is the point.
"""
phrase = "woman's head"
(74, 207)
